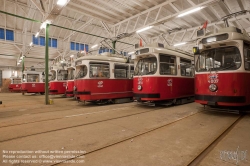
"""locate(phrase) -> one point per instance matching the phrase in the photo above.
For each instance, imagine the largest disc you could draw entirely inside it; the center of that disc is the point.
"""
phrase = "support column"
(113, 45)
(47, 65)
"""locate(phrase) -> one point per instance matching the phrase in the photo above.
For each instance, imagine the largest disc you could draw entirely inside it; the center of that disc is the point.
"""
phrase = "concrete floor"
(178, 133)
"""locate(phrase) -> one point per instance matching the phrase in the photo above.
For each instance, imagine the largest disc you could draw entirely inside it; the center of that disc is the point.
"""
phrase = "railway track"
(85, 124)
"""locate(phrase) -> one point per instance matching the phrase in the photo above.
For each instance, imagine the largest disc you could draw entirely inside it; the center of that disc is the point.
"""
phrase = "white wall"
(7, 72)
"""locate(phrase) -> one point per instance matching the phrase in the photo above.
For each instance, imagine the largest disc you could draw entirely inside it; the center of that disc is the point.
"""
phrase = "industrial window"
(72, 45)
(167, 65)
(54, 43)
(100, 70)
(9, 35)
(186, 67)
(2, 34)
(49, 42)
(81, 47)
(77, 46)
(87, 47)
(42, 41)
(35, 40)
(121, 71)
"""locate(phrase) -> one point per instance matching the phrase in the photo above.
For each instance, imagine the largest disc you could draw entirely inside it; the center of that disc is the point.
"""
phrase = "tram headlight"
(139, 87)
(213, 87)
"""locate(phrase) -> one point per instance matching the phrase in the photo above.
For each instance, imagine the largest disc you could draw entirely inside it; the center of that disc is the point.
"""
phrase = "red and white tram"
(15, 84)
(58, 81)
(71, 76)
(222, 68)
(163, 75)
(32, 82)
(104, 78)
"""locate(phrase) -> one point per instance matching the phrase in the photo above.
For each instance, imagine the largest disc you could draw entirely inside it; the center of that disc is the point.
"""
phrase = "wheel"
(22, 93)
(42, 93)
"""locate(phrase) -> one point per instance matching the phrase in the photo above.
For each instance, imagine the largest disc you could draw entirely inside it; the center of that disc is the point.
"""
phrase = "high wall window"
(78, 46)
(9, 34)
(41, 41)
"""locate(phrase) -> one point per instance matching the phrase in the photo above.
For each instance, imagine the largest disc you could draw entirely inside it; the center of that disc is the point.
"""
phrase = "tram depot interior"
(125, 82)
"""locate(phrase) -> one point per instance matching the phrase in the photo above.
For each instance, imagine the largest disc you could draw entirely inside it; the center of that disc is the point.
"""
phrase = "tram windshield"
(53, 75)
(62, 75)
(146, 66)
(16, 81)
(99, 70)
(219, 59)
(32, 77)
(71, 74)
(81, 71)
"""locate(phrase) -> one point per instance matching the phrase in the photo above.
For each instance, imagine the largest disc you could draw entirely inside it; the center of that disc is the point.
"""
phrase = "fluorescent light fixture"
(37, 34)
(130, 53)
(61, 2)
(179, 44)
(61, 61)
(43, 26)
(31, 43)
(18, 63)
(94, 46)
(20, 60)
(71, 56)
(144, 29)
(190, 11)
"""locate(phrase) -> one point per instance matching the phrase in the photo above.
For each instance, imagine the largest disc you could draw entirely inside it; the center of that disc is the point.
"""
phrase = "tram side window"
(186, 67)
(247, 56)
(121, 71)
(99, 70)
(71, 75)
(167, 65)
(32, 77)
(131, 71)
(16, 81)
(62, 75)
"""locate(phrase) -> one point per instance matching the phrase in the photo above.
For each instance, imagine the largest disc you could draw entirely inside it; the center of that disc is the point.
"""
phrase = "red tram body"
(57, 84)
(104, 78)
(32, 82)
(222, 68)
(163, 76)
(15, 85)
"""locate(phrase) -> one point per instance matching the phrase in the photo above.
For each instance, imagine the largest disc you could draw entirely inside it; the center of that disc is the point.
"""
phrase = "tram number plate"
(33, 85)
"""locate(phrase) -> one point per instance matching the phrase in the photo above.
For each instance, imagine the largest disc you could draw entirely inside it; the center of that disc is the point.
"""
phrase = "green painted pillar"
(47, 65)
(113, 43)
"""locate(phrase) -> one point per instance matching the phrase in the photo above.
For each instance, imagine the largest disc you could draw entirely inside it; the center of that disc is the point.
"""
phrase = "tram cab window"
(99, 70)
(32, 77)
(131, 71)
(71, 75)
(218, 59)
(186, 67)
(81, 71)
(247, 56)
(62, 75)
(121, 71)
(16, 81)
(167, 65)
(146, 66)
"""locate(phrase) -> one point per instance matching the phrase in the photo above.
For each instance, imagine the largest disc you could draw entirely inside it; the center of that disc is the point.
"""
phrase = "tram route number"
(170, 82)
(140, 81)
(100, 84)
(213, 78)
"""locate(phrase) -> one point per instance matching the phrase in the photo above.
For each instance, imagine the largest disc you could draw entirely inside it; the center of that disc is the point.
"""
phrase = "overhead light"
(71, 56)
(43, 26)
(20, 60)
(31, 43)
(94, 46)
(130, 53)
(179, 44)
(190, 11)
(18, 63)
(37, 34)
(144, 29)
(61, 2)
